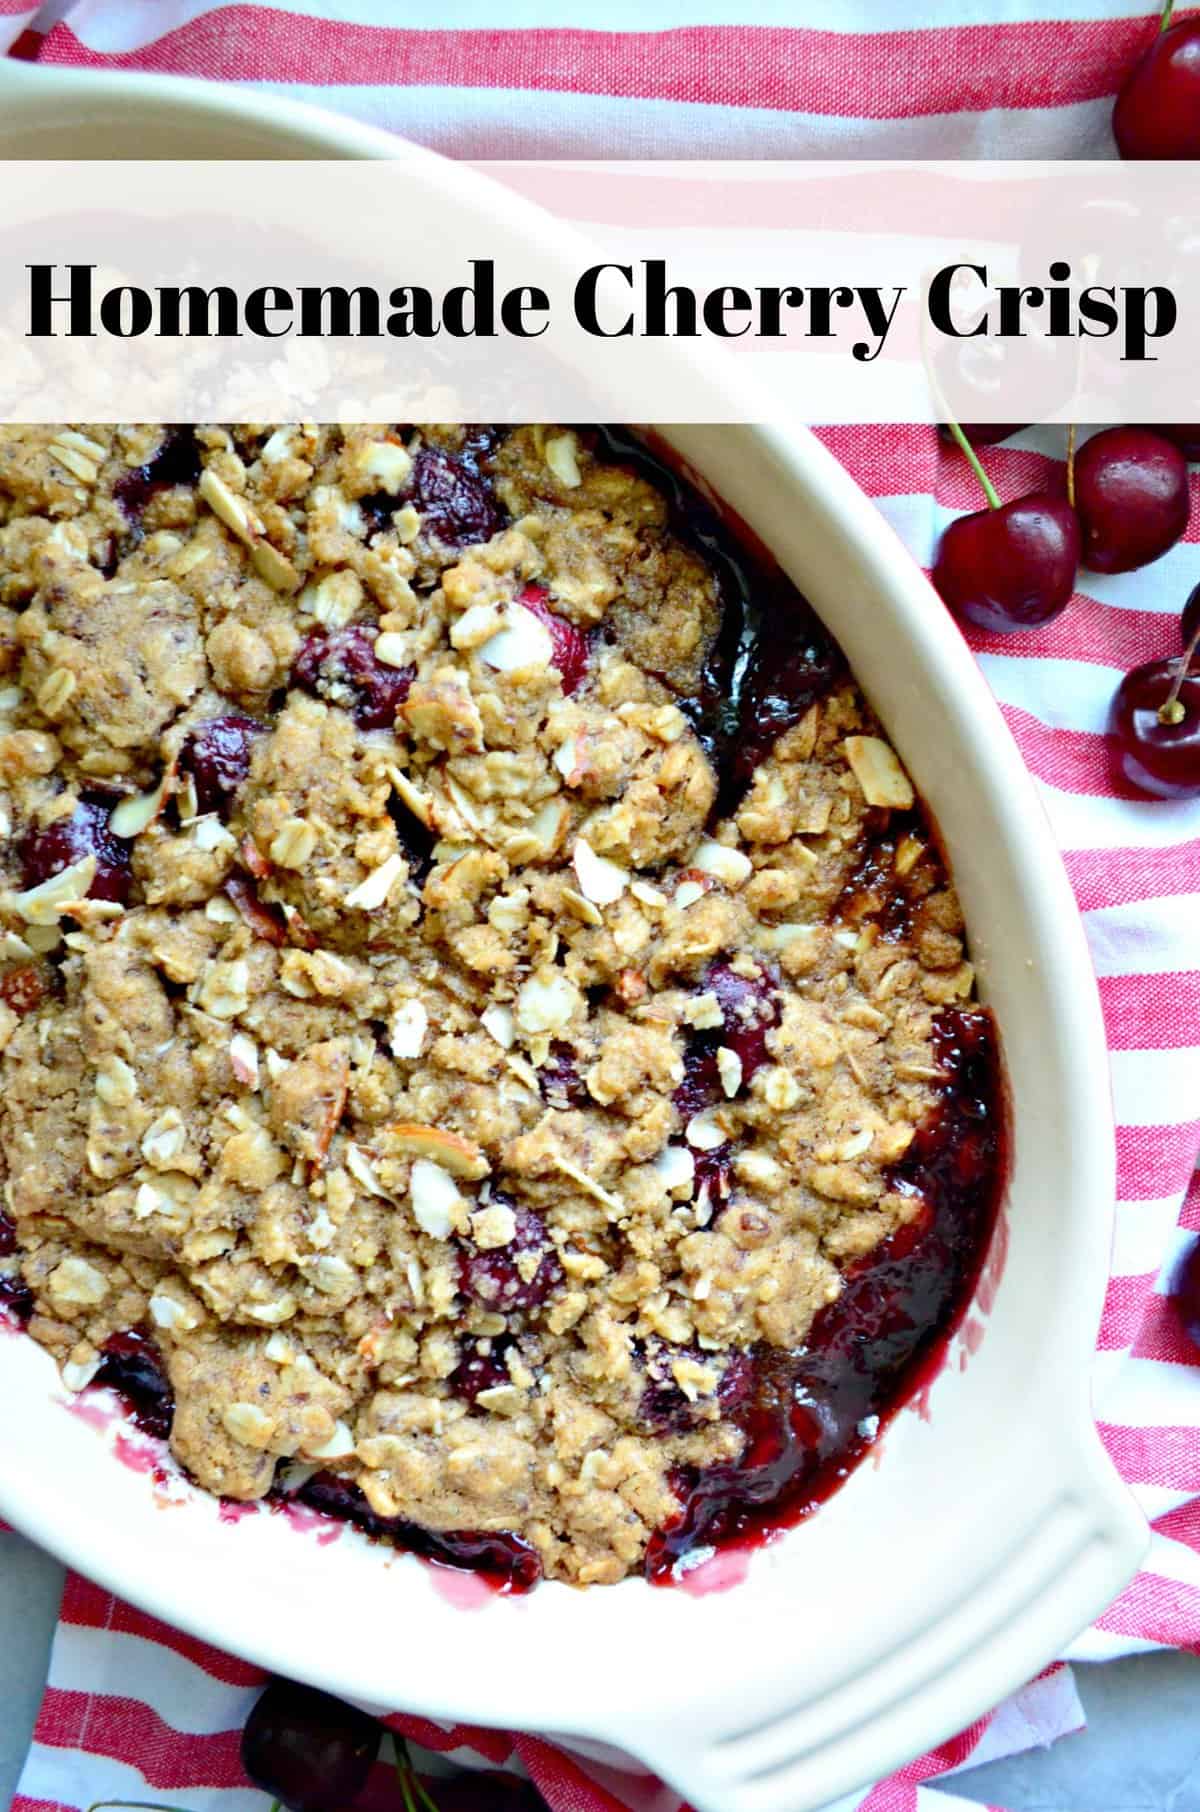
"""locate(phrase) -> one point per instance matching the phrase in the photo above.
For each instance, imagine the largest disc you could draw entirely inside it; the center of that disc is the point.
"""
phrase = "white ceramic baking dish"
(987, 1531)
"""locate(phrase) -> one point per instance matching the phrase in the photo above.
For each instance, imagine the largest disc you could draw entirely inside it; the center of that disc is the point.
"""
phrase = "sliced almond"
(523, 642)
(45, 903)
(419, 803)
(729, 1069)
(461, 1157)
(499, 1022)
(133, 816)
(601, 881)
(676, 1167)
(726, 865)
(409, 1024)
(876, 767)
(436, 1202)
(372, 892)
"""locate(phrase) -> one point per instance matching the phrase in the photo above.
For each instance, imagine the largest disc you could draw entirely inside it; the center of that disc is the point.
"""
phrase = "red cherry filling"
(478, 1370)
(177, 461)
(1157, 113)
(455, 498)
(1011, 567)
(512, 1564)
(217, 756)
(1131, 491)
(341, 666)
(15, 1294)
(516, 1277)
(1154, 730)
(749, 1009)
(48, 851)
(809, 1415)
(131, 1364)
(307, 1750)
(572, 647)
(793, 664)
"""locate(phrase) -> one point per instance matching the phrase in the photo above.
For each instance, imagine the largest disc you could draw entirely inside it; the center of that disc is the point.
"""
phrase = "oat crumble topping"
(403, 1024)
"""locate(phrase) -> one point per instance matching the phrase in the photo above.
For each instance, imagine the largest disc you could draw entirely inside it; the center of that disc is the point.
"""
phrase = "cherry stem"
(1071, 432)
(973, 460)
(416, 1799)
(1171, 711)
(1168, 9)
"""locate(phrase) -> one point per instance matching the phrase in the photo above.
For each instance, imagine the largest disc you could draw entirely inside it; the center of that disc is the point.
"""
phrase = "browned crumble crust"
(264, 1122)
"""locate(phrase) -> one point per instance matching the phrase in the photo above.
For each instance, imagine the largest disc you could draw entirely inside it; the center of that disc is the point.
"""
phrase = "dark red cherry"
(1131, 491)
(571, 646)
(1012, 567)
(307, 1749)
(518, 1276)
(8, 1235)
(983, 434)
(1189, 619)
(217, 756)
(1154, 730)
(484, 1792)
(455, 498)
(1157, 113)
(1186, 438)
(45, 852)
(341, 665)
(792, 664)
(1185, 1290)
(132, 1365)
(478, 1371)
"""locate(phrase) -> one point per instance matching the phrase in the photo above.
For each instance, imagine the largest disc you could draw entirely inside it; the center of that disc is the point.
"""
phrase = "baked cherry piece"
(1157, 113)
(1011, 567)
(663, 1406)
(571, 646)
(308, 1750)
(177, 461)
(1131, 491)
(341, 665)
(46, 852)
(519, 1276)
(749, 1009)
(132, 1365)
(217, 756)
(561, 1084)
(23, 990)
(1154, 730)
(455, 498)
(478, 1371)
(1185, 1290)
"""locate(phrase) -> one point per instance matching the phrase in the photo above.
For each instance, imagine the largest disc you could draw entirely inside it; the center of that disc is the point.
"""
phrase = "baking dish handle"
(1063, 1568)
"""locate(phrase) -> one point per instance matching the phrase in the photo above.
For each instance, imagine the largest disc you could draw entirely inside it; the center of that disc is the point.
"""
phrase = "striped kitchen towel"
(136, 1711)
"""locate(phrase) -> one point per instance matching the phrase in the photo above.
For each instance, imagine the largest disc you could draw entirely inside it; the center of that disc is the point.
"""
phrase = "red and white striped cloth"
(135, 1710)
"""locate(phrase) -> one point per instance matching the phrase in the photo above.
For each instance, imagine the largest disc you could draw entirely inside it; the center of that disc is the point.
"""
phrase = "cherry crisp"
(487, 1042)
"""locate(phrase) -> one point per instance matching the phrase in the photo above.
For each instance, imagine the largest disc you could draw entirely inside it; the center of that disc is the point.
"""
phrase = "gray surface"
(1140, 1753)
